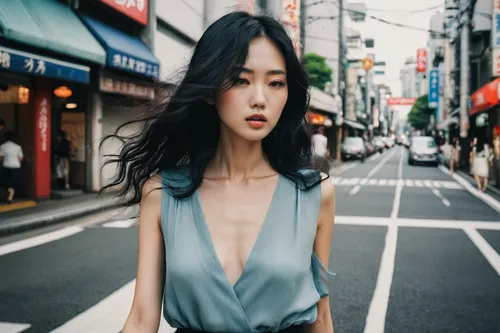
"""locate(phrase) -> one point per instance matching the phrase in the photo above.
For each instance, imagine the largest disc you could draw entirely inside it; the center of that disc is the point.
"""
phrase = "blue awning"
(124, 52)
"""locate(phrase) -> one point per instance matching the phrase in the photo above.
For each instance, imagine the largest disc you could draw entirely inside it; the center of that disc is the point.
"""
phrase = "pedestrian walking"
(321, 155)
(479, 159)
(454, 154)
(235, 226)
(62, 153)
(11, 155)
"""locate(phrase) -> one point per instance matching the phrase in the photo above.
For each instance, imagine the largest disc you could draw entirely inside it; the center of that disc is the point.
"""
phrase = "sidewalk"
(53, 211)
(491, 190)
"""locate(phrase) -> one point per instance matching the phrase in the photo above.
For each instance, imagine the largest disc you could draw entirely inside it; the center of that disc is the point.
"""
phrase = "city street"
(414, 250)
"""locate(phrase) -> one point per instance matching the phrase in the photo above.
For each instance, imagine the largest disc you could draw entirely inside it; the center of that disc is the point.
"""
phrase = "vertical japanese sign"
(433, 97)
(495, 39)
(135, 9)
(291, 17)
(42, 141)
(421, 60)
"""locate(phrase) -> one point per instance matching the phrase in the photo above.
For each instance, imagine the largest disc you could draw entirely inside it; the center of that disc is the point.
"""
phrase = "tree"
(318, 70)
(420, 113)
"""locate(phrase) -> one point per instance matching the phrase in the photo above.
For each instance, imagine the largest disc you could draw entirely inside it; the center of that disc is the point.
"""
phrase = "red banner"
(42, 141)
(135, 9)
(485, 97)
(421, 60)
(401, 101)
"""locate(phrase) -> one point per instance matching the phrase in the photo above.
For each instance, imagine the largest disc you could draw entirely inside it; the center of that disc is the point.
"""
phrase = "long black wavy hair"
(185, 129)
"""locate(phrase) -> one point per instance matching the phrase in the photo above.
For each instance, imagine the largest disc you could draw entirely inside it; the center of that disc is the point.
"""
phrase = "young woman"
(234, 229)
(479, 157)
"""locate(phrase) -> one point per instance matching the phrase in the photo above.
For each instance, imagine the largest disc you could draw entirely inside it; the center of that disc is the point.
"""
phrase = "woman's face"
(252, 107)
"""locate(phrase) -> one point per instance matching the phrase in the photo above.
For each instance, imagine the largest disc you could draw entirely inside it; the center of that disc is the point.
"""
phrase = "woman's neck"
(237, 159)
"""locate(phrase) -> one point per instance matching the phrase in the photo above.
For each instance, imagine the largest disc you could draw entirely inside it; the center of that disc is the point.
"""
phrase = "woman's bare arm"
(145, 313)
(323, 323)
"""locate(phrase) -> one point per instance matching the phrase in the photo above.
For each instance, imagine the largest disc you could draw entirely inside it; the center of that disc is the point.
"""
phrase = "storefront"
(125, 87)
(45, 70)
(484, 119)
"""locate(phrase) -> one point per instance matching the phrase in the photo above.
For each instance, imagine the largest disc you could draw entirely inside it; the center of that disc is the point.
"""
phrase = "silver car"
(423, 149)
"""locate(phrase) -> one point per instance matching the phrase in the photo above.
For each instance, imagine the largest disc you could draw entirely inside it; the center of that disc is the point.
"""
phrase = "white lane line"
(363, 181)
(355, 190)
(109, 315)
(345, 167)
(440, 196)
(374, 157)
(416, 223)
(375, 321)
(120, 224)
(397, 201)
(380, 164)
(409, 182)
(39, 240)
(400, 166)
(13, 328)
(488, 199)
(488, 252)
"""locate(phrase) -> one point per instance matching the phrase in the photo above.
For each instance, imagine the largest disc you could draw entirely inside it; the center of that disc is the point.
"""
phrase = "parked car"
(353, 148)
(379, 143)
(370, 148)
(423, 149)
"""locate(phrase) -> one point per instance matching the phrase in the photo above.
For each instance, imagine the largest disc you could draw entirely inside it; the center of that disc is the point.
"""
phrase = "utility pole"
(464, 67)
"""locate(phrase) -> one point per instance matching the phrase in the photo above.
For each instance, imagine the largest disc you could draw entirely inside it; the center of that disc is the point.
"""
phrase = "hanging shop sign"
(291, 19)
(401, 101)
(421, 60)
(125, 87)
(485, 97)
(433, 97)
(135, 9)
(132, 64)
(27, 63)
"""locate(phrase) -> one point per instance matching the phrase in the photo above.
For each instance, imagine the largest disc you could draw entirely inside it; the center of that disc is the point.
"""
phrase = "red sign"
(421, 60)
(401, 101)
(485, 97)
(42, 141)
(135, 9)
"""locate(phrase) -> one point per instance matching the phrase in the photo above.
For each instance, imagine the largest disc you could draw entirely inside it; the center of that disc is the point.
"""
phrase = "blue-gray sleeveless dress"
(281, 282)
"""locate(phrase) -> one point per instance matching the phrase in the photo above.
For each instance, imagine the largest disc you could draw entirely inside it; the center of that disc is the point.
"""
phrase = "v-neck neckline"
(206, 231)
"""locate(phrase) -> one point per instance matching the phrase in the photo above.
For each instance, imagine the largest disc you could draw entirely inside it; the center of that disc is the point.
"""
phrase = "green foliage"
(318, 70)
(420, 114)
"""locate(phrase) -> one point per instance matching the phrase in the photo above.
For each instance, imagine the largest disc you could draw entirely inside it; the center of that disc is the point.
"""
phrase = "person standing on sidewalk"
(11, 155)
(479, 158)
(234, 227)
(320, 150)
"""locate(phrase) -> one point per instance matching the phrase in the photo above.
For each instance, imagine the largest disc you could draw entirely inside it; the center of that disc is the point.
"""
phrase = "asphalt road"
(414, 250)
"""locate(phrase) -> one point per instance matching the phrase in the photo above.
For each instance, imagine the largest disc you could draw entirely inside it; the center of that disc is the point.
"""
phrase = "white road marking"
(488, 199)
(397, 201)
(363, 181)
(436, 184)
(380, 165)
(375, 321)
(372, 182)
(440, 196)
(416, 223)
(39, 240)
(409, 182)
(109, 315)
(382, 182)
(355, 190)
(418, 183)
(120, 224)
(488, 252)
(336, 180)
(446, 184)
(374, 157)
(392, 182)
(344, 168)
(427, 183)
(400, 166)
(13, 327)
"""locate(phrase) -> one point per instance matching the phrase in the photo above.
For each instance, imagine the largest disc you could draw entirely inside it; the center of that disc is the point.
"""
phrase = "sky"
(395, 44)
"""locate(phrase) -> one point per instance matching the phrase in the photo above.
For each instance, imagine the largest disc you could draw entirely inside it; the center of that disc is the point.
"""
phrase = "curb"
(33, 221)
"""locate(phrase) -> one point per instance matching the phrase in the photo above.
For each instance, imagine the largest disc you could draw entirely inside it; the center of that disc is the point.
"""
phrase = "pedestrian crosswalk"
(341, 181)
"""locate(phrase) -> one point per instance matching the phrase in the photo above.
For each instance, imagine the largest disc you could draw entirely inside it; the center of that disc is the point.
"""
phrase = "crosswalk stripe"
(446, 184)
(13, 327)
(109, 315)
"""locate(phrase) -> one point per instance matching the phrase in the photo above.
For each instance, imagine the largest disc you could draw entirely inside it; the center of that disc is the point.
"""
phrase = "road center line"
(400, 166)
(488, 252)
(440, 196)
(380, 164)
(375, 321)
(397, 201)
(39, 240)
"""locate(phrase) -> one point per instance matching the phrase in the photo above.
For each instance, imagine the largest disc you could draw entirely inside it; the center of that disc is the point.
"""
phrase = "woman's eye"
(241, 81)
(277, 84)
